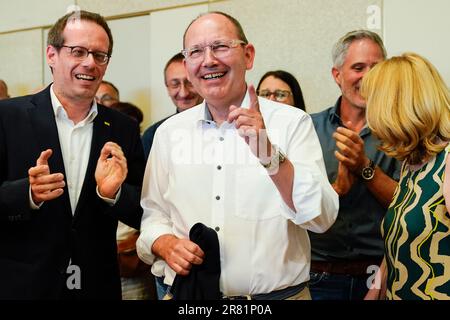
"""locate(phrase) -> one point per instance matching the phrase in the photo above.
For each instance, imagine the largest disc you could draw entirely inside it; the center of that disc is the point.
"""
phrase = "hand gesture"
(45, 186)
(344, 180)
(111, 170)
(251, 127)
(351, 149)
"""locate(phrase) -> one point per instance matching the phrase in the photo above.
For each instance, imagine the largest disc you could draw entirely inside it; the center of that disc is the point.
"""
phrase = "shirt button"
(217, 197)
(221, 138)
(219, 167)
(217, 229)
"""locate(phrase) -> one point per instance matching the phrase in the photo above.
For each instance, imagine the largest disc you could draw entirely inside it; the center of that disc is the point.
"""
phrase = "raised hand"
(111, 170)
(351, 149)
(44, 185)
(251, 127)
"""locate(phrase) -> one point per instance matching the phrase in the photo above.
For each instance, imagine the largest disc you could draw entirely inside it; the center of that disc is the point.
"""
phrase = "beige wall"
(21, 61)
(295, 35)
(421, 26)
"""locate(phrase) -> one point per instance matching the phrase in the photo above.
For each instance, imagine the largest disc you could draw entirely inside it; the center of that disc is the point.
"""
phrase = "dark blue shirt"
(148, 136)
(356, 233)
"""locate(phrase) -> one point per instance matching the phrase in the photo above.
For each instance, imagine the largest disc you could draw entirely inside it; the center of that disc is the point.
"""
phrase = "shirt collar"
(335, 117)
(334, 112)
(60, 112)
(205, 117)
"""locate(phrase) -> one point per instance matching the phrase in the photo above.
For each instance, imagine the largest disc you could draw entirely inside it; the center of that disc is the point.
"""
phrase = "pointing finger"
(254, 104)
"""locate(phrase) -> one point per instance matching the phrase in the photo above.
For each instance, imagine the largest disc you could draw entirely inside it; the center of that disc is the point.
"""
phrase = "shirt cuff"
(34, 206)
(109, 201)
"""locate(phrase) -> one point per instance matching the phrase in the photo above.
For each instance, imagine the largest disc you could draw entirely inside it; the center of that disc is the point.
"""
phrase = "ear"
(336, 75)
(51, 54)
(249, 55)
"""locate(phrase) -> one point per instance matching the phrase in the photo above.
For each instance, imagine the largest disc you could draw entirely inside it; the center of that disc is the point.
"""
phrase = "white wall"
(421, 26)
(25, 14)
(130, 68)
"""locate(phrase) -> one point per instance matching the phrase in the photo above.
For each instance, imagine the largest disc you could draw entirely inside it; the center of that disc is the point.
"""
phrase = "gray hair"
(340, 49)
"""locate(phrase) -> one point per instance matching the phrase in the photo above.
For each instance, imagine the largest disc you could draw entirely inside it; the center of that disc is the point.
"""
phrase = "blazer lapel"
(43, 124)
(100, 135)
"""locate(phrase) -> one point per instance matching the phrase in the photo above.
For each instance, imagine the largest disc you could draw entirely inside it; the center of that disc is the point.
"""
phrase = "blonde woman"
(408, 109)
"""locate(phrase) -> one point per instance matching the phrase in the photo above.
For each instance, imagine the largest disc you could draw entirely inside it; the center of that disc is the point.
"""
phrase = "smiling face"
(179, 88)
(220, 81)
(362, 55)
(76, 81)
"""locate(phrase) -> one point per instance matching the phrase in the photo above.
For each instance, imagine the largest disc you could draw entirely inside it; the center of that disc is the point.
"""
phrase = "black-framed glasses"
(280, 95)
(220, 49)
(81, 53)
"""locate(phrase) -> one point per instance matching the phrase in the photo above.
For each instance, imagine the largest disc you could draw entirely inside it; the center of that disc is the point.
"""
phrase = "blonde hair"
(408, 107)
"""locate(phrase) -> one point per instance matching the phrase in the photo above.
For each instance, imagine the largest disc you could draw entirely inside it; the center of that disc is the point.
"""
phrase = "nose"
(272, 96)
(208, 57)
(183, 92)
(89, 60)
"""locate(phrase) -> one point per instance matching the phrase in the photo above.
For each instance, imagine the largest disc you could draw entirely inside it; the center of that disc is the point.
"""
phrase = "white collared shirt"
(198, 172)
(75, 141)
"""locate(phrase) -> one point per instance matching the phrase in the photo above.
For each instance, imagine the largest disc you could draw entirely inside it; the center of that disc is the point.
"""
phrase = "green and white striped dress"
(416, 233)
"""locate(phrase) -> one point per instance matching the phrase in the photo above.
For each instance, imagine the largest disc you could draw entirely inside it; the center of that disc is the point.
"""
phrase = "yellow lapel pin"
(107, 123)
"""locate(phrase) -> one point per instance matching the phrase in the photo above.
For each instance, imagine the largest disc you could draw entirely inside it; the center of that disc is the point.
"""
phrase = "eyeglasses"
(280, 95)
(106, 99)
(176, 84)
(220, 49)
(81, 53)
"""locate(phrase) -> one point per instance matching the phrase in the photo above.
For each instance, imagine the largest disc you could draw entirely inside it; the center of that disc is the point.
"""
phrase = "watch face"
(367, 173)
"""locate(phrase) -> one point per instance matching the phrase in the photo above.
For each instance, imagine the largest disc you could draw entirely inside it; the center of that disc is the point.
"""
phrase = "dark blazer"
(202, 282)
(149, 135)
(36, 246)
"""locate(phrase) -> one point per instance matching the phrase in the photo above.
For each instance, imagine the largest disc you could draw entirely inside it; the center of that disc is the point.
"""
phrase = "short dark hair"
(291, 81)
(176, 58)
(55, 35)
(130, 110)
(237, 25)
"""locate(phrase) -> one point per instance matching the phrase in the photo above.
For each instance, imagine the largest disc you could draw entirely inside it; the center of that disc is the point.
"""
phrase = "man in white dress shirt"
(249, 168)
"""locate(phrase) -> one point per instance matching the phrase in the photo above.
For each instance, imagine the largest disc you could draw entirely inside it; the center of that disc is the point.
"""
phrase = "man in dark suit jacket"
(69, 170)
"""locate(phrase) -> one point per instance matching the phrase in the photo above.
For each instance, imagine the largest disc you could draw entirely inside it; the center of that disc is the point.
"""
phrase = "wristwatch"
(368, 172)
(278, 157)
